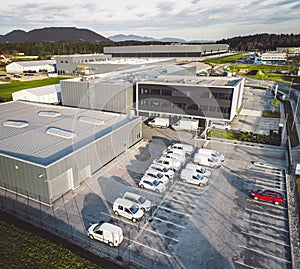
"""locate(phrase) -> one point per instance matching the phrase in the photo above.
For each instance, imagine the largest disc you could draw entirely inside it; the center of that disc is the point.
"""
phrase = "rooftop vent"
(60, 132)
(52, 114)
(91, 120)
(16, 123)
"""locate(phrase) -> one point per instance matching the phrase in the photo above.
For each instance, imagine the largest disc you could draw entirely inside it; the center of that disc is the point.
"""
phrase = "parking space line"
(169, 222)
(265, 254)
(187, 193)
(268, 226)
(272, 172)
(275, 189)
(182, 202)
(175, 211)
(148, 247)
(66, 201)
(266, 214)
(267, 204)
(148, 230)
(55, 209)
(245, 265)
(267, 239)
(268, 180)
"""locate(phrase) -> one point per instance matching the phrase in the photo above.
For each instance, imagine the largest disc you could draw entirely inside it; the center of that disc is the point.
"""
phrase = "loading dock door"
(61, 184)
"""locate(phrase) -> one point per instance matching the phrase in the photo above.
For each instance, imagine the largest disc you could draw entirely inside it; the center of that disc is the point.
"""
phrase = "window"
(60, 133)
(15, 123)
(120, 207)
(205, 95)
(193, 107)
(91, 120)
(49, 113)
(155, 91)
(178, 94)
(144, 91)
(166, 92)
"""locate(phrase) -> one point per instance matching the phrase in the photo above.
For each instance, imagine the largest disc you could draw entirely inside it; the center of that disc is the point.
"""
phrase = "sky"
(185, 19)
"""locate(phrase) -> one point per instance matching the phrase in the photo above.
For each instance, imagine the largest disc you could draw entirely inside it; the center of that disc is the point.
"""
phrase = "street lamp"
(295, 114)
(291, 87)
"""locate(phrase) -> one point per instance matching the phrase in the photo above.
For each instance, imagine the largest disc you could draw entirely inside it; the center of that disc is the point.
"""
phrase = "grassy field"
(223, 134)
(22, 249)
(224, 60)
(7, 89)
(271, 114)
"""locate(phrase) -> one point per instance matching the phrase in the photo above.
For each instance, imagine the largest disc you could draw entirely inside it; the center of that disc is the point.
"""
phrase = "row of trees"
(262, 42)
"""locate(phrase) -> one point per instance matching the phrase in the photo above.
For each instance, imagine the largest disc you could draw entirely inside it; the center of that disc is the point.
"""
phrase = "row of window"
(184, 107)
(176, 93)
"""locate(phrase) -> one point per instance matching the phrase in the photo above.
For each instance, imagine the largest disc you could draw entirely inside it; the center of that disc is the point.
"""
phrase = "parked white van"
(106, 232)
(212, 153)
(187, 148)
(207, 160)
(159, 122)
(168, 162)
(127, 209)
(199, 169)
(139, 200)
(163, 169)
(193, 177)
(174, 156)
(220, 125)
(175, 151)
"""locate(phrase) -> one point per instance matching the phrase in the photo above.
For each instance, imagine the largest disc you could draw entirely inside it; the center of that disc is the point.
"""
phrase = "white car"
(199, 169)
(163, 169)
(192, 177)
(168, 162)
(156, 175)
(187, 148)
(152, 184)
(175, 156)
(139, 200)
(220, 125)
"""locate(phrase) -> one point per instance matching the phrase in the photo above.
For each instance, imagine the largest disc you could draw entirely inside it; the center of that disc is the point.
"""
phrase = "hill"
(262, 42)
(52, 34)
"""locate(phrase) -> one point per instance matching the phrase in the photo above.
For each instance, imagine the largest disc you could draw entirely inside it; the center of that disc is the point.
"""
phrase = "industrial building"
(213, 98)
(46, 150)
(114, 91)
(172, 51)
(48, 66)
(91, 64)
(270, 58)
(49, 94)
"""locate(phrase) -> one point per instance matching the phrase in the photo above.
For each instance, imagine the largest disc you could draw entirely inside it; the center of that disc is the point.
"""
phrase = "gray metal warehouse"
(46, 151)
(167, 50)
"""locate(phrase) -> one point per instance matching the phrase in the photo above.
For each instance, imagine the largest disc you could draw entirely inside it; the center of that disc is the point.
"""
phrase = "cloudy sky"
(186, 19)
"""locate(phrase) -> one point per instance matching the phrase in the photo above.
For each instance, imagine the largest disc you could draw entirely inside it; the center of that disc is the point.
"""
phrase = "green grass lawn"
(7, 89)
(224, 60)
(223, 134)
(270, 114)
(23, 249)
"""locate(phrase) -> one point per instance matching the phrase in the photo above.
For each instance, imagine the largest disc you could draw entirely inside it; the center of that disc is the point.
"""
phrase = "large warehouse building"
(48, 66)
(46, 150)
(173, 51)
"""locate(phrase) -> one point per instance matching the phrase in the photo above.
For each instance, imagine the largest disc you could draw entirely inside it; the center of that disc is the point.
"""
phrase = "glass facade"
(195, 100)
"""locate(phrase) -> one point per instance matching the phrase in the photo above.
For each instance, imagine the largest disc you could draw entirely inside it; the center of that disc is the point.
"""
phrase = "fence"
(60, 222)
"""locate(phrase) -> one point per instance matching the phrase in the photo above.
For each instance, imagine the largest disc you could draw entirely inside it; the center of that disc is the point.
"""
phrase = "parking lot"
(215, 226)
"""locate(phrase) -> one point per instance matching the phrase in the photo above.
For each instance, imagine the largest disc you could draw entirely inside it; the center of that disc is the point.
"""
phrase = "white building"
(270, 58)
(46, 94)
(31, 67)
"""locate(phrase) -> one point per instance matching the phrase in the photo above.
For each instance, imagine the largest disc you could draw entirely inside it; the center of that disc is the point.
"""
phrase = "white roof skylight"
(91, 120)
(16, 123)
(49, 113)
(60, 132)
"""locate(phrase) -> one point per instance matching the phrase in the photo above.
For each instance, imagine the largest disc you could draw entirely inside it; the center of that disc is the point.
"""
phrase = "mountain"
(52, 34)
(121, 37)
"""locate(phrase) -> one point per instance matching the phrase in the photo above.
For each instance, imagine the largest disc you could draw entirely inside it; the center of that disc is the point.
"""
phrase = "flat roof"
(195, 80)
(34, 144)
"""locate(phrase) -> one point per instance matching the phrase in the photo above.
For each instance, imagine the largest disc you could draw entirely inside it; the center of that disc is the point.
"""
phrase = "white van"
(199, 169)
(106, 232)
(193, 177)
(187, 148)
(168, 162)
(139, 200)
(207, 160)
(220, 125)
(174, 156)
(164, 170)
(159, 122)
(175, 151)
(127, 209)
(212, 153)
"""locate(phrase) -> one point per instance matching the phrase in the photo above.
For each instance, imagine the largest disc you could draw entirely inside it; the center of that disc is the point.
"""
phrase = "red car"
(268, 195)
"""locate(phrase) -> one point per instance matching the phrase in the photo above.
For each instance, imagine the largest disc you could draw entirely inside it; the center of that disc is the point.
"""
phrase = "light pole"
(295, 114)
(291, 87)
